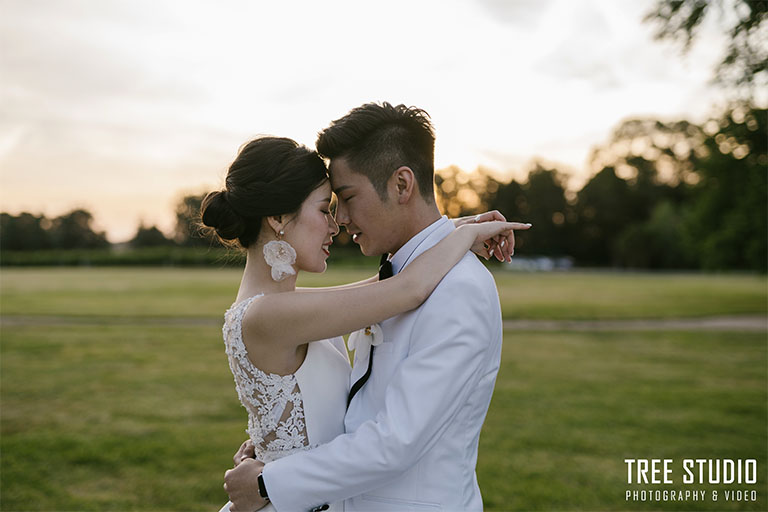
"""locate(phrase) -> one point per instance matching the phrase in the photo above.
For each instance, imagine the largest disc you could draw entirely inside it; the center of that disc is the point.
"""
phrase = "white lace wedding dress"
(289, 413)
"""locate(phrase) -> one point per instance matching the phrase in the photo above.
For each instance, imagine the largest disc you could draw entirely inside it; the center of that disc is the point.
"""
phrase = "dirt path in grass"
(753, 323)
(756, 323)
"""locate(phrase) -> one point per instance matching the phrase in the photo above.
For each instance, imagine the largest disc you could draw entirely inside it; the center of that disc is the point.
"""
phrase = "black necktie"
(385, 271)
(385, 267)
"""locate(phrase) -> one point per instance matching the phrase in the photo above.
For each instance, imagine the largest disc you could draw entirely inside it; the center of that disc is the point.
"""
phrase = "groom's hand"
(242, 486)
(246, 451)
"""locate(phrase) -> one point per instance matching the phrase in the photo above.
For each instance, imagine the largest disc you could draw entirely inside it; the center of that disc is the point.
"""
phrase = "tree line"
(664, 195)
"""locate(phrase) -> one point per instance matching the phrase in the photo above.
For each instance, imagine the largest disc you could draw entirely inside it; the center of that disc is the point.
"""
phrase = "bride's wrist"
(467, 234)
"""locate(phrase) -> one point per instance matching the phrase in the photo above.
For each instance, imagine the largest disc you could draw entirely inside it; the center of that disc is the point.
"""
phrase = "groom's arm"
(449, 343)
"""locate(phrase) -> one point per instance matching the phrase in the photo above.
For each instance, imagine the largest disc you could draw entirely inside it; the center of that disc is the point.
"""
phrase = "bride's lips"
(327, 248)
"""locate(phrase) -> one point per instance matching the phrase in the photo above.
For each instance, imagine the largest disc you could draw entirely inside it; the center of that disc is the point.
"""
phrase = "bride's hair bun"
(218, 214)
(270, 176)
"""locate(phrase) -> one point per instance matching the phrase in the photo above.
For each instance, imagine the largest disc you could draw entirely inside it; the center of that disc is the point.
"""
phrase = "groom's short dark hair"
(376, 139)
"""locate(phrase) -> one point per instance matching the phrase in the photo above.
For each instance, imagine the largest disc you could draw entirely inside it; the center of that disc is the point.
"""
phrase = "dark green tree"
(24, 232)
(727, 220)
(657, 160)
(695, 196)
(189, 231)
(605, 206)
(511, 199)
(150, 237)
(656, 243)
(541, 201)
(73, 230)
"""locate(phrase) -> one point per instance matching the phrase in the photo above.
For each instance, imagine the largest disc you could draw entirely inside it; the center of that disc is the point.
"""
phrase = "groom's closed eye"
(341, 191)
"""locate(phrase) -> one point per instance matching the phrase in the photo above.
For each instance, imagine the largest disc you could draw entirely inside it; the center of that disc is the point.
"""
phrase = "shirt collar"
(401, 257)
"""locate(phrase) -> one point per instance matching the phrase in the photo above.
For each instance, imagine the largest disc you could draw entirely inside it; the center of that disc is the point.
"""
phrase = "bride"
(284, 345)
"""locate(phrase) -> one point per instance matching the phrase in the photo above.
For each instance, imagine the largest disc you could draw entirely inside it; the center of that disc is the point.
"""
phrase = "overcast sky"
(120, 107)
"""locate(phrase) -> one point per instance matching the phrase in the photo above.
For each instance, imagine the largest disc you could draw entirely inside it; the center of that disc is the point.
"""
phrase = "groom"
(422, 394)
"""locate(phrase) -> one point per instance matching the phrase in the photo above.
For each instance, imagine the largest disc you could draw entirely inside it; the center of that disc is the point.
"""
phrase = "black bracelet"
(262, 488)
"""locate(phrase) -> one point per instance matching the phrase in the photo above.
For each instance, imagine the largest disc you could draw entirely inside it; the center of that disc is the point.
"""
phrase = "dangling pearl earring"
(280, 256)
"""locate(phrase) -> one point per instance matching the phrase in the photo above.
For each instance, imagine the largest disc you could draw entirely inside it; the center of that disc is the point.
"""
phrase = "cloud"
(608, 47)
(523, 14)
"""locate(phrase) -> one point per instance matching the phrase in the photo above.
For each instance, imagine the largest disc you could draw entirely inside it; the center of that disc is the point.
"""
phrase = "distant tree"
(150, 237)
(542, 202)
(650, 152)
(657, 160)
(511, 200)
(73, 231)
(692, 196)
(657, 243)
(461, 193)
(743, 68)
(548, 211)
(188, 231)
(24, 232)
(605, 206)
(727, 218)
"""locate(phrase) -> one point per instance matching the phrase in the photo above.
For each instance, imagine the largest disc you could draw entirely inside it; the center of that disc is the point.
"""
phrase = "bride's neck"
(257, 277)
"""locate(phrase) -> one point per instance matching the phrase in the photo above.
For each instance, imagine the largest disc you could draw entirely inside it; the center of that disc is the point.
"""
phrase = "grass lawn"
(570, 407)
(206, 293)
(141, 416)
(116, 418)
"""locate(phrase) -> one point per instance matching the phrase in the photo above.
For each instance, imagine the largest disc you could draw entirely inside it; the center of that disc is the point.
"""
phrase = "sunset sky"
(120, 107)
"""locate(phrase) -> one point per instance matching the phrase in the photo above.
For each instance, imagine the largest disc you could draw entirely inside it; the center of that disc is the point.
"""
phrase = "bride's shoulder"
(241, 306)
(261, 308)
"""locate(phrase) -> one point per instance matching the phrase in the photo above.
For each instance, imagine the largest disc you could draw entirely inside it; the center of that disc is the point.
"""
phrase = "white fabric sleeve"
(451, 337)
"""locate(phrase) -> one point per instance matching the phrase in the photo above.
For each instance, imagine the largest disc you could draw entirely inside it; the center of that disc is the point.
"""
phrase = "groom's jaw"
(362, 241)
(357, 238)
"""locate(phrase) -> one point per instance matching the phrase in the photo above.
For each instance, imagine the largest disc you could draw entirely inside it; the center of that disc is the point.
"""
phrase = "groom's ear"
(405, 181)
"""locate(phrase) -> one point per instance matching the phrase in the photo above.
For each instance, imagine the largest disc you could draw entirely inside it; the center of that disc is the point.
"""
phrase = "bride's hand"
(500, 246)
(246, 451)
(496, 237)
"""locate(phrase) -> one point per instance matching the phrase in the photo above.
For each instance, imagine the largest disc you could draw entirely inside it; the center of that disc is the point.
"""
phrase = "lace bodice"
(276, 422)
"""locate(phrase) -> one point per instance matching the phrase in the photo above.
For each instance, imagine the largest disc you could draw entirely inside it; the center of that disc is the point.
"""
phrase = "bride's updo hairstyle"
(271, 176)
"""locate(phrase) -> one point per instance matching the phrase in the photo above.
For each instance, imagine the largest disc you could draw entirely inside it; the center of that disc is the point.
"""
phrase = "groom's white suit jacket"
(413, 429)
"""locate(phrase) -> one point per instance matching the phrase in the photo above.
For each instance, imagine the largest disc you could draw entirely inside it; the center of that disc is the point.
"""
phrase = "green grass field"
(205, 293)
(111, 402)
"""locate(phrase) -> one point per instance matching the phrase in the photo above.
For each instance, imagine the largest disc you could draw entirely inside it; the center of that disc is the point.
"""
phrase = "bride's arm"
(371, 279)
(301, 316)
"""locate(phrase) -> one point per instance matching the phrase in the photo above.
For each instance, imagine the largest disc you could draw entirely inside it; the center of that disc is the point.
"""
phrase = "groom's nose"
(342, 217)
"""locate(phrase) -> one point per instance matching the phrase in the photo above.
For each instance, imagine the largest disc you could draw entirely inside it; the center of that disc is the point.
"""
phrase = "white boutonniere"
(370, 336)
